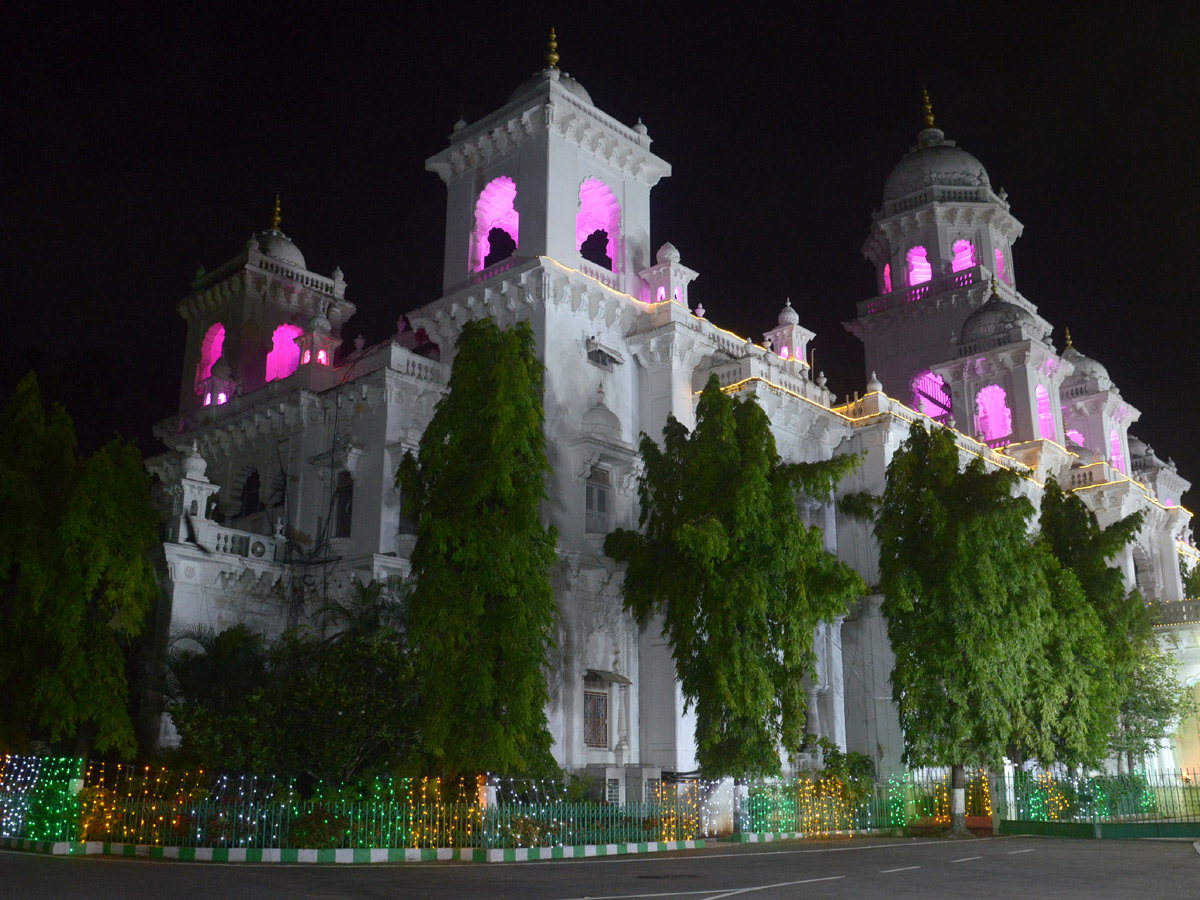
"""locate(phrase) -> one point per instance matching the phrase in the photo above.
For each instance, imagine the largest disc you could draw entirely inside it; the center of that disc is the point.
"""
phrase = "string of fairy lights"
(46, 798)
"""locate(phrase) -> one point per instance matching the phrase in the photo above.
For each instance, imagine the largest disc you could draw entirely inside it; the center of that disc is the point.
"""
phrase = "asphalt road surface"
(977, 869)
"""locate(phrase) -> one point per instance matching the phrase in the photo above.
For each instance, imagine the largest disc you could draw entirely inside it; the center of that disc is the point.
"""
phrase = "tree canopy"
(75, 578)
(482, 609)
(741, 584)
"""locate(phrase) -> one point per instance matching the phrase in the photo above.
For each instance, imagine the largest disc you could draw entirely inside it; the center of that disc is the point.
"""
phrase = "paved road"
(977, 869)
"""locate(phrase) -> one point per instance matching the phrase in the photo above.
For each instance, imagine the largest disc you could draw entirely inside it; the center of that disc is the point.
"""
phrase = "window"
(251, 494)
(1118, 458)
(343, 505)
(930, 395)
(993, 418)
(887, 278)
(1001, 269)
(211, 346)
(500, 247)
(613, 793)
(598, 224)
(598, 502)
(919, 269)
(595, 717)
(1076, 436)
(406, 525)
(964, 256)
(1045, 416)
(595, 248)
(496, 219)
(284, 356)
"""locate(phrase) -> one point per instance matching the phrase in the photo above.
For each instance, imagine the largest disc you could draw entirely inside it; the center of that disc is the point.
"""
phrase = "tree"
(1155, 703)
(964, 599)
(740, 582)
(482, 609)
(75, 578)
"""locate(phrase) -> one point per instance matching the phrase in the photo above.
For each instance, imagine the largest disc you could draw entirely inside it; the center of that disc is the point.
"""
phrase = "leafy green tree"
(964, 599)
(1191, 578)
(75, 578)
(1155, 703)
(482, 610)
(740, 582)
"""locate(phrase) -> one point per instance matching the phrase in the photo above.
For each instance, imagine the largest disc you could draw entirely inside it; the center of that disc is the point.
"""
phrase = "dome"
(667, 253)
(602, 420)
(278, 245)
(1085, 366)
(934, 161)
(565, 81)
(787, 315)
(996, 318)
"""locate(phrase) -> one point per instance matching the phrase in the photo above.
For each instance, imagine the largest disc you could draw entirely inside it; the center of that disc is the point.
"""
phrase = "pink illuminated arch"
(1076, 436)
(496, 208)
(211, 346)
(1045, 416)
(284, 356)
(1001, 269)
(887, 278)
(964, 256)
(930, 395)
(919, 268)
(599, 211)
(993, 418)
(1118, 458)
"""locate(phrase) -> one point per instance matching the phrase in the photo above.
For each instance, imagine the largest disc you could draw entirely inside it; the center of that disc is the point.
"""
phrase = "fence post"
(994, 800)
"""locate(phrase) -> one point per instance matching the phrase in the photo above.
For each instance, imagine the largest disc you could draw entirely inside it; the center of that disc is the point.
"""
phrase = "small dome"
(319, 324)
(787, 315)
(194, 465)
(996, 318)
(934, 161)
(667, 253)
(565, 80)
(602, 420)
(278, 245)
(1138, 447)
(221, 369)
(1085, 366)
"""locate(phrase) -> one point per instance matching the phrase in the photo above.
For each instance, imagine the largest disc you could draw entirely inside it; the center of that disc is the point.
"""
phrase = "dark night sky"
(142, 141)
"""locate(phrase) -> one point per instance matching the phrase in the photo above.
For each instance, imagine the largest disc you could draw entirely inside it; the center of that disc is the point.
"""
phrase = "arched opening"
(598, 224)
(929, 395)
(1001, 268)
(495, 210)
(251, 495)
(993, 418)
(1045, 416)
(887, 278)
(343, 505)
(919, 268)
(1076, 436)
(500, 246)
(284, 356)
(964, 256)
(1117, 458)
(211, 346)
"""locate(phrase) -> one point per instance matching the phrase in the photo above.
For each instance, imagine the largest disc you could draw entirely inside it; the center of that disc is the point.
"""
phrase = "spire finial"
(995, 287)
(927, 107)
(1069, 346)
(275, 215)
(552, 50)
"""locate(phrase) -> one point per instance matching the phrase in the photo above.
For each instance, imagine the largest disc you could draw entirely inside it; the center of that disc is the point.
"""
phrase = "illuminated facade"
(280, 486)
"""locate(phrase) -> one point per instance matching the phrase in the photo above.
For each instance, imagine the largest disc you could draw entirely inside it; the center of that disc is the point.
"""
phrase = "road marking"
(966, 859)
(709, 895)
(902, 869)
(1011, 852)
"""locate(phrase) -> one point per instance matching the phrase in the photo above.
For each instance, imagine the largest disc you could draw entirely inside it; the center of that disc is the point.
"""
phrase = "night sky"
(142, 142)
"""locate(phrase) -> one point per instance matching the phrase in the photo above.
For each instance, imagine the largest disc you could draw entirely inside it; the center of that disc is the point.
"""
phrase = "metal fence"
(1138, 797)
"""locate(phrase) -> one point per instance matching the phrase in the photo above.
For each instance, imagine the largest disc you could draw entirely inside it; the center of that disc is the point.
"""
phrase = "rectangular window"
(406, 524)
(596, 520)
(595, 719)
(343, 500)
(613, 794)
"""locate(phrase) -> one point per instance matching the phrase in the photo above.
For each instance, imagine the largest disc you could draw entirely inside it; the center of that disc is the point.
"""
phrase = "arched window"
(930, 395)
(211, 346)
(598, 224)
(1118, 458)
(919, 269)
(343, 505)
(1076, 436)
(993, 418)
(887, 278)
(1045, 416)
(964, 256)
(494, 211)
(251, 494)
(284, 356)
(1001, 269)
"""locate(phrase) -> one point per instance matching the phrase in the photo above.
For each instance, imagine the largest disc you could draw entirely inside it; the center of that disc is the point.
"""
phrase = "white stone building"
(285, 447)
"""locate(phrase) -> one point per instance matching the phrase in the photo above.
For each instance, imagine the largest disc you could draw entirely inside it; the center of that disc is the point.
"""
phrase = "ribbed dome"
(1085, 366)
(537, 80)
(602, 420)
(278, 245)
(994, 319)
(787, 315)
(934, 161)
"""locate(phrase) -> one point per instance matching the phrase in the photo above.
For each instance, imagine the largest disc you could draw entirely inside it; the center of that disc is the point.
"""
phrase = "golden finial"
(275, 215)
(995, 287)
(552, 51)
(1069, 346)
(927, 106)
